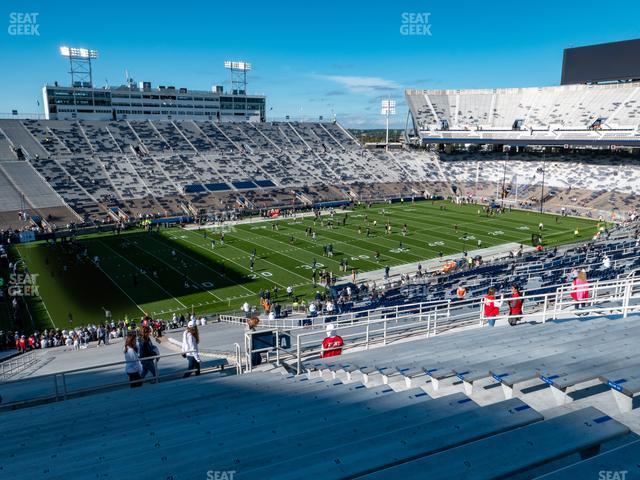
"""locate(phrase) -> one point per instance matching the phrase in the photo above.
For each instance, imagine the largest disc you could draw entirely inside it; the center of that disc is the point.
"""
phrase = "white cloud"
(364, 85)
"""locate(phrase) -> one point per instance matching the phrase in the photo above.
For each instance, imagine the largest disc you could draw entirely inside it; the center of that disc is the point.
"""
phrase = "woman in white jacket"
(132, 367)
(190, 340)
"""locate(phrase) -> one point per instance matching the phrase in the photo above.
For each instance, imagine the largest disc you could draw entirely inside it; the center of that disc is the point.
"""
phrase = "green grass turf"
(84, 289)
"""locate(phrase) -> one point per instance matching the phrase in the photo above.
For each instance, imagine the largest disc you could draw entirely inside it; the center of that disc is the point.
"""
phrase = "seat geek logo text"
(415, 24)
(22, 24)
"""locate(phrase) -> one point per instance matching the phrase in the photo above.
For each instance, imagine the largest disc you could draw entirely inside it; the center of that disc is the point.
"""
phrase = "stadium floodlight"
(80, 63)
(241, 66)
(388, 107)
(78, 52)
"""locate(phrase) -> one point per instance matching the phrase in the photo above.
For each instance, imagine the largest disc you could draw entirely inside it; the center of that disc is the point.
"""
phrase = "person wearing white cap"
(332, 344)
(190, 340)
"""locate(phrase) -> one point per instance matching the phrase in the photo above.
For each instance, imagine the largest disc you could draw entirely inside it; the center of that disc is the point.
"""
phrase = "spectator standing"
(332, 344)
(147, 349)
(252, 326)
(102, 335)
(491, 306)
(133, 367)
(190, 341)
(580, 291)
(515, 305)
(246, 308)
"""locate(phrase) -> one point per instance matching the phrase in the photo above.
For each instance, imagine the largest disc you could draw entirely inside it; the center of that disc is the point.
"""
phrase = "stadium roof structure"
(598, 115)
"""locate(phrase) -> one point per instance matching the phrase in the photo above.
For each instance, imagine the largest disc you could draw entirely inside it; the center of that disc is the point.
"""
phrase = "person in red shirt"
(491, 306)
(332, 345)
(22, 344)
(515, 305)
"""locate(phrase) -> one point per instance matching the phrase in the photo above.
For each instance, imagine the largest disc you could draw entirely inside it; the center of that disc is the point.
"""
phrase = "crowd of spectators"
(80, 337)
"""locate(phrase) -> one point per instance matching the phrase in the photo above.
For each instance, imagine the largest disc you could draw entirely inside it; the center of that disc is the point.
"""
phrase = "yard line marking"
(230, 260)
(207, 266)
(121, 289)
(264, 260)
(303, 239)
(146, 275)
(176, 270)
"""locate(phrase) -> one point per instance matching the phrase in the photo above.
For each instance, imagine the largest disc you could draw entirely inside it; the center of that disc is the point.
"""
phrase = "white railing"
(444, 307)
(305, 321)
(618, 297)
(238, 354)
(14, 365)
(88, 380)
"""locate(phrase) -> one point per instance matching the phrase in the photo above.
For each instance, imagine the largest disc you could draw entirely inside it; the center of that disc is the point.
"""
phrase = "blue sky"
(309, 58)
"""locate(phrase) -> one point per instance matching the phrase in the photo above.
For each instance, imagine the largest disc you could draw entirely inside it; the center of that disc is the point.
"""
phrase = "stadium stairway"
(268, 425)
(569, 358)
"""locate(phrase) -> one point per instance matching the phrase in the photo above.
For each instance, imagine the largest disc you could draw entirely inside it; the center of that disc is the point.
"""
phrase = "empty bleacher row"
(557, 363)
(267, 425)
(566, 355)
(91, 168)
(87, 137)
(567, 172)
(168, 168)
(576, 112)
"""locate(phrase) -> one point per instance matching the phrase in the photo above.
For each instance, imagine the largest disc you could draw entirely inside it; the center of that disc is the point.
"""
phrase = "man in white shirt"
(329, 307)
(246, 308)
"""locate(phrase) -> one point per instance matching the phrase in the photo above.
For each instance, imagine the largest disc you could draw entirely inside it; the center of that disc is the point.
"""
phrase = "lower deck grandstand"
(55, 174)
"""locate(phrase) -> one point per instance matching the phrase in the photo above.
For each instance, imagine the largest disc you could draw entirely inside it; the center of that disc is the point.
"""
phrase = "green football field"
(177, 270)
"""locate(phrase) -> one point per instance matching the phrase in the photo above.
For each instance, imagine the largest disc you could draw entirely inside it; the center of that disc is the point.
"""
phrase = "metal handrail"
(547, 306)
(362, 316)
(16, 364)
(238, 353)
(61, 390)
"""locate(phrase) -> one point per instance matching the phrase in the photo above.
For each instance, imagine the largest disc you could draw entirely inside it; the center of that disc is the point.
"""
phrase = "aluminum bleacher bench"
(585, 372)
(515, 451)
(625, 384)
(270, 447)
(417, 440)
(617, 464)
(515, 374)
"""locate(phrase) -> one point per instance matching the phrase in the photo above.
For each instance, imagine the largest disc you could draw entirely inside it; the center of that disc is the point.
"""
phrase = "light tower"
(388, 108)
(80, 64)
(238, 76)
(238, 80)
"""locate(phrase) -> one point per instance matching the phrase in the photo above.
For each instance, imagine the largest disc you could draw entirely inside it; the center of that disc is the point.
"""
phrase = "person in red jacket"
(332, 345)
(22, 344)
(491, 306)
(515, 305)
